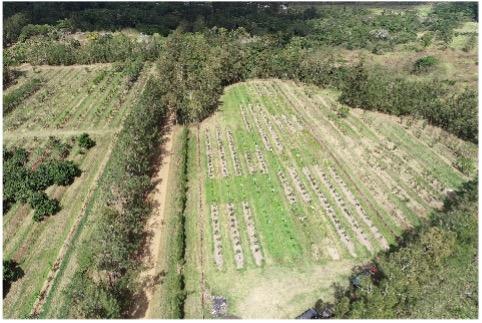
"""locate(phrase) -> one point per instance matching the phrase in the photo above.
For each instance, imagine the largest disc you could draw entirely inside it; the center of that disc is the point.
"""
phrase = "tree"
(11, 272)
(43, 206)
(85, 142)
(12, 27)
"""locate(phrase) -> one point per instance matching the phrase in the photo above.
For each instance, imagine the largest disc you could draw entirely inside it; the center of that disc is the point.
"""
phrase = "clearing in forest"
(293, 195)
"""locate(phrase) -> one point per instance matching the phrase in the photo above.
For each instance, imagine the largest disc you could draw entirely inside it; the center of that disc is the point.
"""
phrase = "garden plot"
(235, 237)
(218, 247)
(222, 153)
(60, 109)
(253, 238)
(234, 153)
(74, 99)
(318, 190)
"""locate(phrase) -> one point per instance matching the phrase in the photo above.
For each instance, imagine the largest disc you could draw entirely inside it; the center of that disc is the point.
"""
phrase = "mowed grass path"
(356, 184)
(68, 104)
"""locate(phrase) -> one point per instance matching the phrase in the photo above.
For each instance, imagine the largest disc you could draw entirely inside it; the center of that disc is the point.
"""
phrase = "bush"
(465, 164)
(133, 69)
(43, 206)
(22, 184)
(343, 111)
(11, 272)
(59, 172)
(425, 64)
(85, 142)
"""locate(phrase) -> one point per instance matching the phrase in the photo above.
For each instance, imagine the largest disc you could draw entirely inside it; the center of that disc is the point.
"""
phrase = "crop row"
(234, 227)
(339, 201)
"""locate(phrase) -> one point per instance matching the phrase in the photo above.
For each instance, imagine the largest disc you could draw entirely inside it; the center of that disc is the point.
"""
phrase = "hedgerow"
(111, 253)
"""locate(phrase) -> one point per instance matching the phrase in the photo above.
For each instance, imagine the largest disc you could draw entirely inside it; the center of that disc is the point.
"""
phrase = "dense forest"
(199, 48)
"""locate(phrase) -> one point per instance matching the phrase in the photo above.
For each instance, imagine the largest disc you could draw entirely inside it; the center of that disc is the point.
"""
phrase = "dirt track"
(149, 274)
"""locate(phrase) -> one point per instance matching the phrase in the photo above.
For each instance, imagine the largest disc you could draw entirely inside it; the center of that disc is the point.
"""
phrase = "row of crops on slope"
(77, 98)
(13, 98)
(332, 195)
(54, 233)
(104, 283)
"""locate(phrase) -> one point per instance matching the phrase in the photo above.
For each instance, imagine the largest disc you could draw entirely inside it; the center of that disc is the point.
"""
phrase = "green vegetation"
(85, 142)
(22, 184)
(425, 64)
(43, 205)
(13, 98)
(432, 273)
(11, 272)
(278, 188)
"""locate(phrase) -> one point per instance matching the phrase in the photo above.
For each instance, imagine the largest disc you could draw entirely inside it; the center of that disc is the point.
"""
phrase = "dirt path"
(149, 275)
(47, 133)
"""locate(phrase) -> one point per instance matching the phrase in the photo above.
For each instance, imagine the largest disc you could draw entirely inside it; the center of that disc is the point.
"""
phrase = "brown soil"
(149, 276)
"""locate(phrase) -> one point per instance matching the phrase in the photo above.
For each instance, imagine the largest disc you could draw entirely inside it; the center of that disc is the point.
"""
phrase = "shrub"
(343, 111)
(60, 172)
(43, 205)
(85, 141)
(425, 64)
(465, 164)
(11, 272)
(132, 69)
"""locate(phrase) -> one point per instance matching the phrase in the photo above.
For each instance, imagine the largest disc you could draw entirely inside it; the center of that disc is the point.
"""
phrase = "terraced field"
(286, 196)
(93, 99)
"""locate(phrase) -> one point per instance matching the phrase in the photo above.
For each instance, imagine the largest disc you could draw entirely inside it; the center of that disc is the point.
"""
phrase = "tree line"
(105, 282)
(194, 68)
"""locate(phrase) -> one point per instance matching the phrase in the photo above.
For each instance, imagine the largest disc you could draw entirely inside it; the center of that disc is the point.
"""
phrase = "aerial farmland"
(292, 193)
(102, 98)
(240, 160)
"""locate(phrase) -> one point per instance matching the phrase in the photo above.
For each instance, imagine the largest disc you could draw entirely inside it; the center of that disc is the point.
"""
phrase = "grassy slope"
(21, 235)
(291, 277)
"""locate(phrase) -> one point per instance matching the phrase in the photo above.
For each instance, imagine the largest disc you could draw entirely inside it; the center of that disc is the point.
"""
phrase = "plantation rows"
(23, 236)
(81, 98)
(352, 184)
(226, 220)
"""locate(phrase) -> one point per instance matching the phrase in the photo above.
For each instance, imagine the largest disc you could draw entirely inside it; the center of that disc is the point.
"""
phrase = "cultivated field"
(93, 99)
(285, 196)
